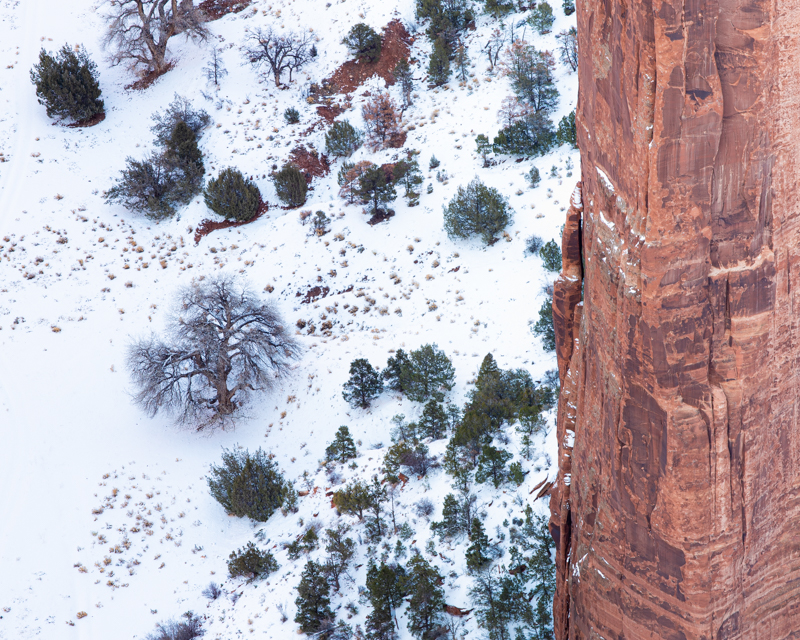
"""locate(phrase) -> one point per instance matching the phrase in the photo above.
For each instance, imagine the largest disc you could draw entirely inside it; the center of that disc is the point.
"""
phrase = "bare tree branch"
(279, 52)
(138, 30)
(223, 343)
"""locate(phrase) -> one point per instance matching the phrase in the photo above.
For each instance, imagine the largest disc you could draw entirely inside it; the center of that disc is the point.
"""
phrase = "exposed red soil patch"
(310, 162)
(330, 111)
(149, 78)
(97, 118)
(207, 226)
(395, 45)
(215, 9)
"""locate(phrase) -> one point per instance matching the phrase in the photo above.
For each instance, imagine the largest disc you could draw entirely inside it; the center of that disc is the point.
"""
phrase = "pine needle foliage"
(250, 562)
(67, 83)
(290, 185)
(232, 196)
(248, 484)
(363, 42)
(342, 448)
(477, 210)
(364, 385)
(342, 139)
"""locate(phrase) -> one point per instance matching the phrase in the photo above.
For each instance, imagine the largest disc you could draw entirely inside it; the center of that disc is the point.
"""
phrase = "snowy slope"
(72, 442)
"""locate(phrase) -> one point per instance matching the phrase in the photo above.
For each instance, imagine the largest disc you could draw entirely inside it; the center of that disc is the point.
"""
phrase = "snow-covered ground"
(79, 462)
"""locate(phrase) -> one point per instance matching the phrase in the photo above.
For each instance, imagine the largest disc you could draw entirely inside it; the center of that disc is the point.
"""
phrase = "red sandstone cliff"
(677, 507)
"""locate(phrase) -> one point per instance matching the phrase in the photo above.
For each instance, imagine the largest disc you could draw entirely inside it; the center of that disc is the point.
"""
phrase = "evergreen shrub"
(232, 196)
(67, 83)
(290, 185)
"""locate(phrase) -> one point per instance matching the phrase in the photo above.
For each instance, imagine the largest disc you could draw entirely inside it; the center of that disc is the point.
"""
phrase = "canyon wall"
(676, 511)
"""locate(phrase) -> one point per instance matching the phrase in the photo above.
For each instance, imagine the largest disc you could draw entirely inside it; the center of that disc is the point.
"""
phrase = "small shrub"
(291, 115)
(342, 139)
(533, 244)
(290, 185)
(533, 177)
(251, 562)
(248, 484)
(569, 7)
(477, 210)
(232, 196)
(178, 630)
(551, 256)
(145, 186)
(424, 508)
(498, 8)
(319, 223)
(515, 473)
(531, 135)
(434, 163)
(363, 42)
(212, 591)
(67, 84)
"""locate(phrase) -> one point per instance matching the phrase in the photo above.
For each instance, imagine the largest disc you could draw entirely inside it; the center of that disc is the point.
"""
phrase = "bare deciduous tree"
(280, 52)
(215, 70)
(222, 344)
(138, 30)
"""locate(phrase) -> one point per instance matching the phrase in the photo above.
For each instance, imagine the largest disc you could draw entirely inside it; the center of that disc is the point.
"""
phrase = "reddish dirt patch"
(97, 118)
(207, 226)
(149, 78)
(330, 111)
(395, 45)
(313, 294)
(310, 162)
(215, 9)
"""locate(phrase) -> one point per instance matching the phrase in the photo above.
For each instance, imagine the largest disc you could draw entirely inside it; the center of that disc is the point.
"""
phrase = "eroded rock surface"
(677, 507)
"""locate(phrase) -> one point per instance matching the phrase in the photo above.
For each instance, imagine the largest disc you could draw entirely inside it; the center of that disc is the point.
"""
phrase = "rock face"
(677, 507)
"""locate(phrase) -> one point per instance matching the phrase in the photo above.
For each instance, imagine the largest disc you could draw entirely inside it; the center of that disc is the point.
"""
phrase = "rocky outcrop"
(676, 511)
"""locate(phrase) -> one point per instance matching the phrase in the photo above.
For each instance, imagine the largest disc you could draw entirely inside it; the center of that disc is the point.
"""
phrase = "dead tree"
(279, 52)
(138, 30)
(222, 344)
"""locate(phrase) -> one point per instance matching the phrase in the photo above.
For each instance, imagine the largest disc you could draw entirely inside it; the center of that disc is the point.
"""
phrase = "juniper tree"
(551, 256)
(543, 327)
(403, 75)
(354, 499)
(342, 448)
(461, 60)
(291, 115)
(290, 185)
(407, 173)
(145, 186)
(541, 17)
(232, 196)
(67, 83)
(363, 42)
(492, 465)
(566, 132)
(313, 599)
(251, 562)
(439, 64)
(340, 550)
(531, 75)
(531, 135)
(397, 371)
(364, 384)
(248, 484)
(457, 515)
(426, 598)
(342, 139)
(569, 7)
(215, 69)
(484, 147)
(374, 189)
(385, 588)
(477, 210)
(179, 110)
(186, 163)
(476, 554)
(138, 31)
(430, 374)
(433, 423)
(223, 344)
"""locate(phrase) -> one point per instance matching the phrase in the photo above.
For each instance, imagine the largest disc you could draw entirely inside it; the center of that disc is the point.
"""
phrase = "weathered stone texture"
(677, 509)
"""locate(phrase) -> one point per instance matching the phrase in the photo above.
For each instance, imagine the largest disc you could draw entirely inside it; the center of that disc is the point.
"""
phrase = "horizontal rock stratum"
(677, 506)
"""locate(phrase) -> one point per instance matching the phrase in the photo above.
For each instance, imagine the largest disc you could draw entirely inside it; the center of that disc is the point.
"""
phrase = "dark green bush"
(439, 64)
(232, 196)
(532, 135)
(543, 327)
(566, 132)
(290, 185)
(251, 562)
(185, 161)
(551, 256)
(434, 162)
(67, 84)
(374, 189)
(342, 448)
(541, 18)
(248, 484)
(342, 139)
(430, 374)
(145, 186)
(498, 8)
(291, 115)
(363, 42)
(533, 177)
(477, 210)
(364, 385)
(569, 7)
